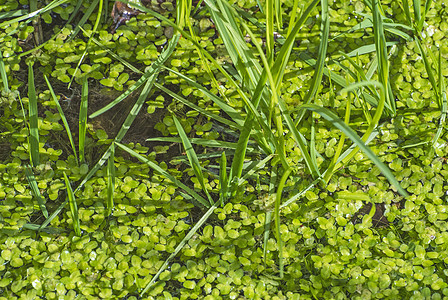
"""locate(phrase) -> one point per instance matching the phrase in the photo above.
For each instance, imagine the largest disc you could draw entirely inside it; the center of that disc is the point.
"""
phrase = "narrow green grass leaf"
(278, 14)
(89, 41)
(153, 69)
(35, 190)
(351, 134)
(417, 14)
(244, 61)
(34, 120)
(198, 141)
(442, 98)
(367, 49)
(192, 158)
(180, 246)
(300, 194)
(85, 16)
(13, 14)
(223, 179)
(266, 232)
(298, 137)
(64, 120)
(428, 68)
(330, 170)
(167, 175)
(381, 52)
(278, 200)
(389, 25)
(407, 11)
(322, 53)
(73, 206)
(270, 10)
(3, 74)
(83, 119)
(336, 78)
(205, 112)
(253, 167)
(29, 17)
(268, 217)
(110, 182)
(115, 56)
(183, 9)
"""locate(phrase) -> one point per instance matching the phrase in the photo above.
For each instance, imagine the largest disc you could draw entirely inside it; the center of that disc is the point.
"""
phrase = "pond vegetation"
(223, 149)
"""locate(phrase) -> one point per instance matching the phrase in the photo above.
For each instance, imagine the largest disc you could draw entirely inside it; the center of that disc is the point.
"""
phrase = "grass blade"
(230, 111)
(223, 179)
(381, 52)
(73, 206)
(35, 190)
(180, 246)
(94, 30)
(3, 74)
(197, 141)
(85, 16)
(153, 69)
(83, 119)
(64, 120)
(322, 53)
(192, 158)
(350, 133)
(33, 115)
(167, 175)
(278, 200)
(29, 17)
(442, 98)
(110, 182)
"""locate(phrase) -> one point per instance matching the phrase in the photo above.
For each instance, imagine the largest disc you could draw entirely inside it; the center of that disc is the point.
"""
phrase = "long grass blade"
(407, 11)
(29, 17)
(278, 200)
(198, 141)
(322, 53)
(110, 182)
(64, 120)
(180, 246)
(35, 190)
(381, 52)
(73, 206)
(223, 179)
(270, 10)
(85, 16)
(33, 115)
(351, 134)
(89, 41)
(428, 68)
(153, 69)
(83, 119)
(266, 233)
(167, 175)
(13, 13)
(192, 158)
(3, 74)
(443, 100)
(224, 107)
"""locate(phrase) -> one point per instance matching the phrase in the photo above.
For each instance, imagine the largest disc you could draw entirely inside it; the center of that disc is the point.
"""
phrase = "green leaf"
(73, 206)
(35, 190)
(62, 115)
(33, 115)
(338, 123)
